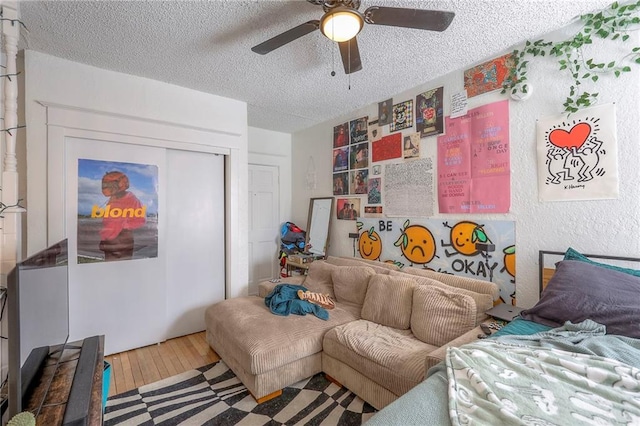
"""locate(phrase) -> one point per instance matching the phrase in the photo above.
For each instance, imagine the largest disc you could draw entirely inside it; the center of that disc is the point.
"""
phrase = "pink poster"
(474, 162)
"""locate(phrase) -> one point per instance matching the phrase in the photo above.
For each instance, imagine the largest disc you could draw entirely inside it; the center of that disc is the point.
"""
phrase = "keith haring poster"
(488, 76)
(478, 249)
(474, 162)
(578, 155)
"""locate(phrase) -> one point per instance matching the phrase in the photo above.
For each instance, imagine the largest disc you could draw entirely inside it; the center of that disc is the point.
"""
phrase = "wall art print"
(341, 183)
(358, 130)
(577, 155)
(430, 112)
(387, 148)
(117, 211)
(489, 76)
(411, 146)
(384, 112)
(450, 246)
(474, 171)
(341, 135)
(402, 116)
(347, 208)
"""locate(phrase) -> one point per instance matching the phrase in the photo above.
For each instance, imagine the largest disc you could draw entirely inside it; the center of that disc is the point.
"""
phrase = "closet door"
(195, 266)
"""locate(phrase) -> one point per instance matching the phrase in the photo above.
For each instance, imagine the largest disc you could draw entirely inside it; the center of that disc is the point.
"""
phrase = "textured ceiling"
(206, 46)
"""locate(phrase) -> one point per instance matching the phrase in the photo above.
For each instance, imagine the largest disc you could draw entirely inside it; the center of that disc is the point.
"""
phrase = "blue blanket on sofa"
(283, 300)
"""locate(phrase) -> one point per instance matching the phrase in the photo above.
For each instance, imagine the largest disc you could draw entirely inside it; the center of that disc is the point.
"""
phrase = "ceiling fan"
(342, 21)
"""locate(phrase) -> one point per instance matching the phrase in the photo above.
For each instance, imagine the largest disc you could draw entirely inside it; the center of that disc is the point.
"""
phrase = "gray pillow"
(578, 291)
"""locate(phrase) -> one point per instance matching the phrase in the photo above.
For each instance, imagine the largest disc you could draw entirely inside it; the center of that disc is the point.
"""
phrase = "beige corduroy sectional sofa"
(388, 327)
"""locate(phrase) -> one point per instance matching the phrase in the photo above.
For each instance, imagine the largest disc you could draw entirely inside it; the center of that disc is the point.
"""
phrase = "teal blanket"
(569, 375)
(283, 300)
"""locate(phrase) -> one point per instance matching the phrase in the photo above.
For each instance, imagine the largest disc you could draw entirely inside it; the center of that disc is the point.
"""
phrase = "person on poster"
(123, 213)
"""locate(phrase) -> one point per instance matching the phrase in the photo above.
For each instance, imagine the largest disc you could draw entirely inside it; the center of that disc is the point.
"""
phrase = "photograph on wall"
(474, 172)
(387, 148)
(359, 179)
(117, 211)
(577, 155)
(373, 195)
(341, 159)
(489, 76)
(358, 129)
(376, 170)
(348, 208)
(430, 112)
(373, 128)
(411, 146)
(384, 112)
(359, 156)
(402, 116)
(482, 250)
(341, 135)
(341, 183)
(372, 211)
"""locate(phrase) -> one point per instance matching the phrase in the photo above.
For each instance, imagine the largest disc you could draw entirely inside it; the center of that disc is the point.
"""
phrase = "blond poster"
(117, 211)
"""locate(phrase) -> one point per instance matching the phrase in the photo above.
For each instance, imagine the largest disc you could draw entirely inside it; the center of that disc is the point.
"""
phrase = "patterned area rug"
(213, 395)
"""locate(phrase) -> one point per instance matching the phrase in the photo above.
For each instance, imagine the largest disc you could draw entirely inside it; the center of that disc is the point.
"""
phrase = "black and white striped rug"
(213, 395)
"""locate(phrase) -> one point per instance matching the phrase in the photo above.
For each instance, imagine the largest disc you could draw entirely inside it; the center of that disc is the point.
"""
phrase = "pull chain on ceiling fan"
(342, 22)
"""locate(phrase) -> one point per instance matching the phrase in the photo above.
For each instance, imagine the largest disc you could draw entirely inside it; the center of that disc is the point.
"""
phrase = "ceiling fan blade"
(350, 56)
(421, 19)
(286, 37)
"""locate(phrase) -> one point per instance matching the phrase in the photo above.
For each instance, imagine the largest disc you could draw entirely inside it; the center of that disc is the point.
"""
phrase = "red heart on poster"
(574, 138)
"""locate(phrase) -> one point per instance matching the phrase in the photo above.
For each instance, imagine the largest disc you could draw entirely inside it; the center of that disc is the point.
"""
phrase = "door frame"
(67, 121)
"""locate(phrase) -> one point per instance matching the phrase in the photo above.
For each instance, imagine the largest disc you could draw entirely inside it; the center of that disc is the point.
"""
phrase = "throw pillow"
(438, 315)
(350, 283)
(388, 301)
(483, 302)
(572, 254)
(319, 278)
(379, 267)
(471, 284)
(579, 291)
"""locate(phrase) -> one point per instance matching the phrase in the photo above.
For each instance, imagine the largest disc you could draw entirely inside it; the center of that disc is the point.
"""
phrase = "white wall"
(57, 81)
(600, 227)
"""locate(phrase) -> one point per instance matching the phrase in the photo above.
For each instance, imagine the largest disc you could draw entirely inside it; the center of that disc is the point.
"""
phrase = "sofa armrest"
(265, 287)
(438, 355)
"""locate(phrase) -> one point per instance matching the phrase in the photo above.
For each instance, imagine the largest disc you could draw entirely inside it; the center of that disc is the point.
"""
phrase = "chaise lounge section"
(387, 328)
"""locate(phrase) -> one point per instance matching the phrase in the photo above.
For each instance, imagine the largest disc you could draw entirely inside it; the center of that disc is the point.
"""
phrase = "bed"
(573, 358)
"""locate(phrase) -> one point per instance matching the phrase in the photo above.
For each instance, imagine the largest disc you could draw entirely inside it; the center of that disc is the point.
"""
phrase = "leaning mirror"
(318, 225)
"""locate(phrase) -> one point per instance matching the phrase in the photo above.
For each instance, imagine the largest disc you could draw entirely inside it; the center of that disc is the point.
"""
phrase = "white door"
(195, 238)
(124, 300)
(264, 225)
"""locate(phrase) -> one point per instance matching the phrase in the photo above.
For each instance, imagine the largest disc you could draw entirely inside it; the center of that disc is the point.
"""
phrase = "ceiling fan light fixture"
(341, 24)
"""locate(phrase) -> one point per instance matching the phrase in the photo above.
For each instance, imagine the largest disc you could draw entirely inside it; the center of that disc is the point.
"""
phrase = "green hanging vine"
(612, 23)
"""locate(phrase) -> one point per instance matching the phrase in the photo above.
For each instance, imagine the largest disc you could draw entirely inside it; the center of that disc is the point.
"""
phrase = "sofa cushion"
(471, 284)
(439, 315)
(392, 358)
(319, 278)
(483, 302)
(379, 267)
(388, 301)
(350, 284)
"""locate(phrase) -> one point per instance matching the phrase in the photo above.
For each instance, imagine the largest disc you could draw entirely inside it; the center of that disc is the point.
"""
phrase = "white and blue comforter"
(569, 375)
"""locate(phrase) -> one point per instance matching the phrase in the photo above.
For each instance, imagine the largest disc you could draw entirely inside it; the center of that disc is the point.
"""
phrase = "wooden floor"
(149, 364)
